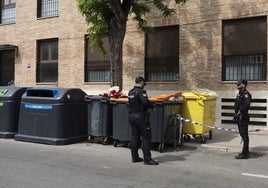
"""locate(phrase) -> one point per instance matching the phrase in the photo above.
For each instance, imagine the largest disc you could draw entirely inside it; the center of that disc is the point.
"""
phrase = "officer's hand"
(235, 118)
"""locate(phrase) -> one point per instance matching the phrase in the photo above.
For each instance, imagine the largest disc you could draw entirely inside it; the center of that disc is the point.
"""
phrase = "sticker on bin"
(38, 106)
(3, 91)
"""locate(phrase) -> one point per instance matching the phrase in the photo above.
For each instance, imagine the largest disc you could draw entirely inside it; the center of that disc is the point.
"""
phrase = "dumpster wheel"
(187, 138)
(105, 140)
(129, 145)
(210, 134)
(115, 143)
(91, 139)
(203, 139)
(161, 147)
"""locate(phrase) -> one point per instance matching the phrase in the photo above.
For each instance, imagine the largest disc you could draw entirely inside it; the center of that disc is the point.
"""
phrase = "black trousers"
(242, 123)
(140, 129)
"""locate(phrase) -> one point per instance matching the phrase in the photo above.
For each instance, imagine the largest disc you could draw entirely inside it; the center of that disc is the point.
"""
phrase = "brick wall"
(200, 43)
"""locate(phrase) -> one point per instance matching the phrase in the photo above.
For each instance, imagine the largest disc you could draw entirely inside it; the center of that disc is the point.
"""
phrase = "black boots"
(242, 156)
(151, 162)
(137, 160)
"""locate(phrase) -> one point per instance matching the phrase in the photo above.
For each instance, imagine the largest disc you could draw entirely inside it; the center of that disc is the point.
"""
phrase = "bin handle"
(89, 100)
(113, 102)
(200, 101)
(158, 103)
(103, 100)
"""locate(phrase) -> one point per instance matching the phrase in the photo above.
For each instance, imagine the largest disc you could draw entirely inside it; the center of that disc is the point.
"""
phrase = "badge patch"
(246, 95)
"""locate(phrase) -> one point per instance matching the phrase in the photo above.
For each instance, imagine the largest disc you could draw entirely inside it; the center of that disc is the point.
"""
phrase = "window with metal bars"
(244, 53)
(97, 65)
(162, 54)
(47, 62)
(8, 11)
(47, 8)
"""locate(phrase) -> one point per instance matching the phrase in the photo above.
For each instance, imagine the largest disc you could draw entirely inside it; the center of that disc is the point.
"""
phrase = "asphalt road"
(29, 165)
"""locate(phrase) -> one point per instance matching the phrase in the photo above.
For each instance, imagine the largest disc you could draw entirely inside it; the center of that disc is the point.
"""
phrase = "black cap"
(242, 81)
(139, 79)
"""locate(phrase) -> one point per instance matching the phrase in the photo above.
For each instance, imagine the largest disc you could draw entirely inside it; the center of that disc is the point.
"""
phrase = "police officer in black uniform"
(139, 118)
(242, 104)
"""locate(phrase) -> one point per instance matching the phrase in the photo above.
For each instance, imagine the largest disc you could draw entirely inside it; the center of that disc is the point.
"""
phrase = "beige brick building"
(206, 52)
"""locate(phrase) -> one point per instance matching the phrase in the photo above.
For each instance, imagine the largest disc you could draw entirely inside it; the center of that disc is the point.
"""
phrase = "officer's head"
(241, 84)
(139, 80)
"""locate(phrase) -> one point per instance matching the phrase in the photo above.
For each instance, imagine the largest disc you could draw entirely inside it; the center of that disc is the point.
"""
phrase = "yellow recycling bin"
(199, 107)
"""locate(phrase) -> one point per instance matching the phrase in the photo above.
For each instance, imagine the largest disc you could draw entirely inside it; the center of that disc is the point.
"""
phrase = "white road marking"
(255, 175)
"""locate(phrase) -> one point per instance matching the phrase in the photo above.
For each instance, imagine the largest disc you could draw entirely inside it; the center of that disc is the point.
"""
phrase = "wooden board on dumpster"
(165, 97)
(119, 99)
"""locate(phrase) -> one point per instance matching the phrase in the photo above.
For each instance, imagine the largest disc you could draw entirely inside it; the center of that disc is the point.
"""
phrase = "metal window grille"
(48, 8)
(8, 11)
(250, 67)
(98, 71)
(162, 69)
(97, 66)
(162, 54)
(244, 49)
(47, 64)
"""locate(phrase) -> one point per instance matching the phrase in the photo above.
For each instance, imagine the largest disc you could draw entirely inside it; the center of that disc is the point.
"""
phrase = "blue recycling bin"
(55, 116)
(10, 98)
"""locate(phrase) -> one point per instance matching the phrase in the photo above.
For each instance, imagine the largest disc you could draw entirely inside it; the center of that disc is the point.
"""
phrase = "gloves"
(239, 118)
(235, 118)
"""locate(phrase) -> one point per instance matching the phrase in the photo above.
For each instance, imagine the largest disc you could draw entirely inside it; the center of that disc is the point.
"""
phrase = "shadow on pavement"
(170, 154)
(254, 155)
(260, 148)
(170, 158)
(258, 151)
(217, 136)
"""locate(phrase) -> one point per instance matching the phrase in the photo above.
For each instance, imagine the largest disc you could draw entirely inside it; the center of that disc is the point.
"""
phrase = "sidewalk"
(231, 142)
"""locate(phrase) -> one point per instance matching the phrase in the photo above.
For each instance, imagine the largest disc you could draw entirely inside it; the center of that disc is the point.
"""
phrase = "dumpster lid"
(42, 92)
(12, 92)
(96, 97)
(3, 91)
(198, 95)
(168, 97)
(119, 99)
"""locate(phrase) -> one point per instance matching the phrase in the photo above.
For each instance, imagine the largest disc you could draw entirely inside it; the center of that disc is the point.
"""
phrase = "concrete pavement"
(231, 142)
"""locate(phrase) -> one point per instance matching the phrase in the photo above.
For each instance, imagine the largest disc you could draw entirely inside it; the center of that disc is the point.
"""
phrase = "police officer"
(139, 111)
(242, 104)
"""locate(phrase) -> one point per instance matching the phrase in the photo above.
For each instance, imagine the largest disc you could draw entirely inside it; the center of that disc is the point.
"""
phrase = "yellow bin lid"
(198, 95)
